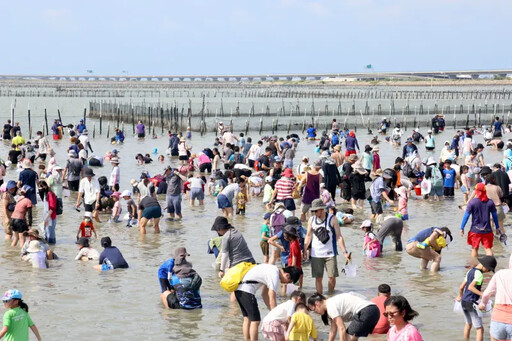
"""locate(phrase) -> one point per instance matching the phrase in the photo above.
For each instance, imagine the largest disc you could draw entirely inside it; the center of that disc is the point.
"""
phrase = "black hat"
(293, 220)
(367, 148)
(83, 241)
(489, 262)
(89, 172)
(291, 230)
(106, 242)
(485, 170)
(221, 223)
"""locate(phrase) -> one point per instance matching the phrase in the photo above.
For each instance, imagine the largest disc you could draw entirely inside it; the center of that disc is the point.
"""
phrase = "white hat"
(56, 168)
(35, 246)
(366, 223)
(268, 179)
(126, 193)
(88, 214)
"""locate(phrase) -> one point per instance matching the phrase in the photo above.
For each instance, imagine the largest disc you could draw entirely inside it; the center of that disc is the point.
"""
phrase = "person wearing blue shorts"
(149, 209)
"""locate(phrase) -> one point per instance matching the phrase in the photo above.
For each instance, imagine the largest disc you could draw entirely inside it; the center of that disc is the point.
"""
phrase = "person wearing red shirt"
(384, 291)
(295, 255)
(86, 228)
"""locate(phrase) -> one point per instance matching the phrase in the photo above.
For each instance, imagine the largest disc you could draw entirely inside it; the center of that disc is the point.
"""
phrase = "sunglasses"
(391, 313)
(6, 301)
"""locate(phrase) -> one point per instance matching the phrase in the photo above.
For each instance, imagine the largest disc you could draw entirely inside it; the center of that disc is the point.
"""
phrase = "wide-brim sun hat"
(376, 149)
(126, 193)
(352, 157)
(35, 246)
(316, 205)
(11, 184)
(183, 139)
(89, 172)
(288, 173)
(489, 262)
(279, 207)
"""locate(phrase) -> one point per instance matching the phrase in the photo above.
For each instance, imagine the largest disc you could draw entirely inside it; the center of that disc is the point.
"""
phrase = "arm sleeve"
(490, 290)
(495, 218)
(465, 220)
(224, 263)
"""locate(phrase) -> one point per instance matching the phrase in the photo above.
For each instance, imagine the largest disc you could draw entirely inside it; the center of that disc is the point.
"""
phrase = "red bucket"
(417, 189)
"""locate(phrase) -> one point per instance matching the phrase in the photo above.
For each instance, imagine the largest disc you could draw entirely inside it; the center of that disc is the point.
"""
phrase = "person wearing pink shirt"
(399, 313)
(205, 163)
(500, 287)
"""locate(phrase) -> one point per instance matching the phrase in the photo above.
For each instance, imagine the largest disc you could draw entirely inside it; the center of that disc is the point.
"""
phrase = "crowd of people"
(307, 204)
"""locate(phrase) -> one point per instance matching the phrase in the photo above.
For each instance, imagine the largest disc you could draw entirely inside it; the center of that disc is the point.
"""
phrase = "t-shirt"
(17, 321)
(378, 186)
(295, 252)
(284, 187)
(230, 191)
(173, 184)
(449, 177)
(86, 229)
(254, 152)
(145, 190)
(408, 333)
(346, 306)
(21, 208)
(233, 243)
(90, 190)
(140, 128)
(265, 274)
(265, 231)
(480, 215)
(382, 326)
(114, 176)
(129, 207)
(88, 252)
(148, 202)
(268, 191)
(37, 259)
(281, 312)
(74, 168)
(115, 257)
(196, 182)
(303, 329)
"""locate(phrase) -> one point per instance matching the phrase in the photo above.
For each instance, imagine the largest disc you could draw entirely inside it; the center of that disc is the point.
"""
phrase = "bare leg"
(15, 239)
(156, 225)
(201, 202)
(353, 202)
(474, 252)
(318, 285)
(488, 252)
(163, 297)
(191, 202)
(142, 225)
(331, 283)
(436, 264)
(246, 328)
(254, 330)
(480, 334)
(424, 264)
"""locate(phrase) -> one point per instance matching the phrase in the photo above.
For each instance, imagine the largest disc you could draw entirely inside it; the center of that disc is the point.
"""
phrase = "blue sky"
(252, 37)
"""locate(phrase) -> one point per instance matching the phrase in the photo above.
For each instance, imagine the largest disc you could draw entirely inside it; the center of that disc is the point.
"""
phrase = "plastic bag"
(66, 192)
(291, 288)
(350, 270)
(506, 209)
(486, 312)
(457, 308)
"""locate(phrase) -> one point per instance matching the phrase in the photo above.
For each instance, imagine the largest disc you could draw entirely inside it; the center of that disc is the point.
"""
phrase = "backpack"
(257, 165)
(407, 170)
(277, 221)
(234, 276)
(335, 140)
(237, 158)
(341, 171)
(437, 177)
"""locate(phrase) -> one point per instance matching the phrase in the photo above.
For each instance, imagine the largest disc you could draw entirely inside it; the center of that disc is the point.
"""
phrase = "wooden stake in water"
(46, 120)
(93, 129)
(29, 124)
(85, 116)
(108, 130)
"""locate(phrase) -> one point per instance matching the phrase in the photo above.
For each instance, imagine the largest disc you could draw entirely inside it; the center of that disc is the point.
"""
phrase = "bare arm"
(307, 240)
(339, 237)
(3, 331)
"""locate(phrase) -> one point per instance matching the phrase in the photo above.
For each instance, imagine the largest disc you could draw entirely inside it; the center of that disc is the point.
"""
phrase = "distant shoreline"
(27, 83)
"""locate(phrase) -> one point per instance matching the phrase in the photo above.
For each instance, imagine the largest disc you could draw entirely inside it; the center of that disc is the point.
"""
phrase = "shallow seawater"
(72, 301)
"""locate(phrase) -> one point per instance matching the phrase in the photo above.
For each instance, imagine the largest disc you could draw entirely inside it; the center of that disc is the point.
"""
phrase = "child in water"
(242, 200)
(268, 191)
(403, 198)
(265, 236)
(466, 183)
(116, 210)
(326, 196)
(301, 325)
(86, 228)
(371, 246)
(16, 320)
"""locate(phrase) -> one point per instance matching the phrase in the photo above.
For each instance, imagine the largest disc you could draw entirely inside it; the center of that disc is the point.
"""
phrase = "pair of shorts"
(183, 157)
(376, 207)
(427, 253)
(349, 152)
(449, 191)
(304, 208)
(152, 212)
(223, 202)
(264, 247)
(205, 167)
(430, 148)
(358, 195)
(501, 331)
(73, 185)
(486, 239)
(471, 316)
(436, 191)
(364, 321)
(89, 207)
(319, 264)
(196, 193)
(141, 135)
(463, 189)
(248, 305)
(501, 213)
(289, 204)
(173, 204)
(19, 225)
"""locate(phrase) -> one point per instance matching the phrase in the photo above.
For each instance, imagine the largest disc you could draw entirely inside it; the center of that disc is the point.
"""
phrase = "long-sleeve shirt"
(351, 143)
(500, 287)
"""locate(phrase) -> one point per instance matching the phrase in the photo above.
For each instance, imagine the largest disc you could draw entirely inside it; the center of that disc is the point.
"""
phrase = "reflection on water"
(72, 301)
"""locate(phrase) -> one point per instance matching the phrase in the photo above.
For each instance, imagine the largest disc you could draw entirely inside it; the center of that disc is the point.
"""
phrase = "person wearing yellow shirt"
(301, 326)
